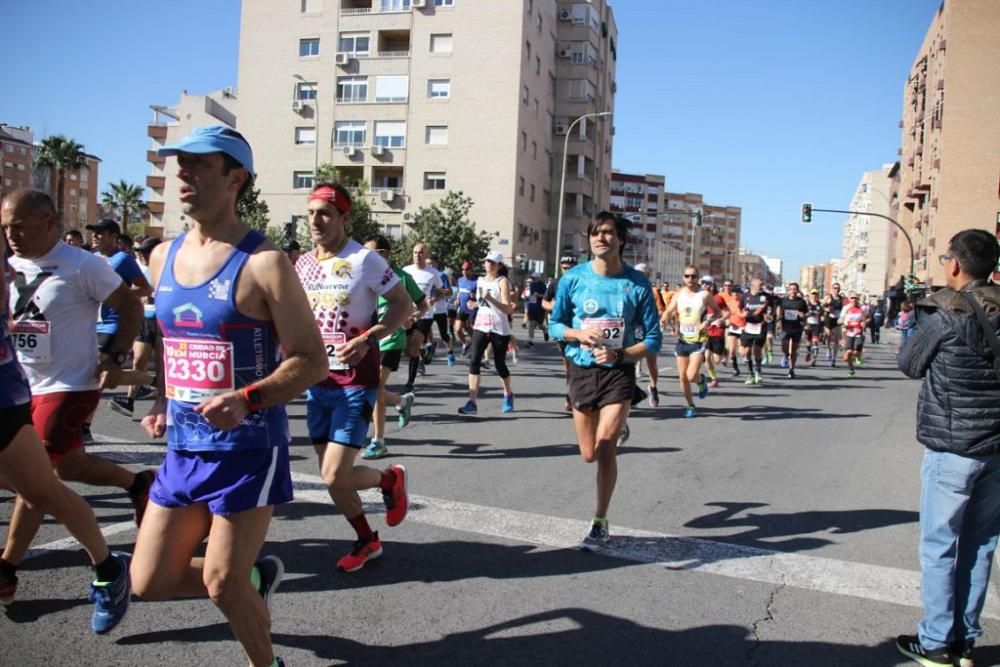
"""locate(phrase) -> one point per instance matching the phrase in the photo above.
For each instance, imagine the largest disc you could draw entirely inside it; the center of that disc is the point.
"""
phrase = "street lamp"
(562, 185)
(316, 119)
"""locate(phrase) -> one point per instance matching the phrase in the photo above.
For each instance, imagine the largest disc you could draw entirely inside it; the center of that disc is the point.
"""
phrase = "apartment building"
(639, 198)
(80, 190)
(817, 276)
(168, 125)
(865, 240)
(949, 174)
(708, 233)
(16, 154)
(420, 97)
(751, 265)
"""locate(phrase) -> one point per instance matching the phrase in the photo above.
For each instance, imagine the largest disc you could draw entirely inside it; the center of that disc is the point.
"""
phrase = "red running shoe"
(361, 553)
(396, 500)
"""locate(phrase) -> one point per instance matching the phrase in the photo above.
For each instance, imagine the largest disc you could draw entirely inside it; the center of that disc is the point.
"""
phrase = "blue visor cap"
(213, 139)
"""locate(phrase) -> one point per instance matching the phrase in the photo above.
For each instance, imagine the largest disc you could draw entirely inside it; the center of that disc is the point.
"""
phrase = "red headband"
(326, 193)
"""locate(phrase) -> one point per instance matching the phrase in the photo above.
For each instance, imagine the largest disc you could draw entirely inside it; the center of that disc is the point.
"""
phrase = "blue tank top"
(14, 386)
(210, 348)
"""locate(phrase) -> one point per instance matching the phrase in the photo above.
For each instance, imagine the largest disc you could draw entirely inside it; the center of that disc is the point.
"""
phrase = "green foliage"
(125, 200)
(449, 233)
(60, 153)
(253, 211)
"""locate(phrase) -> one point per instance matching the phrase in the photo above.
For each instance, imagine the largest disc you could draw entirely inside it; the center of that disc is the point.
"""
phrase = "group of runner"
(240, 331)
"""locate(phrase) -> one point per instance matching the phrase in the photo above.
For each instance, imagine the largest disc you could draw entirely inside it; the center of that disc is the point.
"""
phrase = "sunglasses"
(690, 275)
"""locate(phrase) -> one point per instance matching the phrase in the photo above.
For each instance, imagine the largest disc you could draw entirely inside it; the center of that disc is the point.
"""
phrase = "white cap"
(494, 256)
(707, 279)
(641, 266)
(536, 274)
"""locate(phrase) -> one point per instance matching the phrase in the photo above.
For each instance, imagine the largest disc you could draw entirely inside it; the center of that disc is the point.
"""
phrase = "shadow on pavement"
(772, 412)
(485, 450)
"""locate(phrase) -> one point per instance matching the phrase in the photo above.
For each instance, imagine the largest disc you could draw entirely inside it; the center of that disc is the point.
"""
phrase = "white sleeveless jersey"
(488, 318)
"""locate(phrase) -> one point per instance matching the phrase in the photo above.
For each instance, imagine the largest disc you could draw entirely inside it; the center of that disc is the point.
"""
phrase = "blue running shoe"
(784, 362)
(376, 449)
(508, 403)
(451, 359)
(702, 387)
(689, 412)
(469, 408)
(111, 598)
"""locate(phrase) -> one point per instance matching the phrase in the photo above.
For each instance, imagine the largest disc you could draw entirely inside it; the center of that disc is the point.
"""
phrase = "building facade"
(416, 98)
(949, 174)
(168, 125)
(16, 154)
(708, 233)
(751, 265)
(865, 251)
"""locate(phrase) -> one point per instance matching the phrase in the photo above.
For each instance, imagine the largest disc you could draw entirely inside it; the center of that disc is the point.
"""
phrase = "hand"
(155, 422)
(590, 337)
(353, 351)
(605, 355)
(109, 374)
(224, 412)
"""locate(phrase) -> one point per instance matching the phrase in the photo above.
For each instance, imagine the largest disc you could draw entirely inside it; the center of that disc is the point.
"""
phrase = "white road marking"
(823, 575)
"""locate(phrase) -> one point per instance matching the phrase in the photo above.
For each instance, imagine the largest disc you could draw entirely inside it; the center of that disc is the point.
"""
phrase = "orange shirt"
(733, 305)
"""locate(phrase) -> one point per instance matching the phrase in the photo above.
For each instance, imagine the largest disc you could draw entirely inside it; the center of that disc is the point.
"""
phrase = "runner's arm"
(126, 301)
(155, 421)
(646, 309)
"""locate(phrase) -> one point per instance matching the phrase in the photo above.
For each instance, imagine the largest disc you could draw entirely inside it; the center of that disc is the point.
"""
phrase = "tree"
(125, 200)
(449, 233)
(253, 211)
(60, 153)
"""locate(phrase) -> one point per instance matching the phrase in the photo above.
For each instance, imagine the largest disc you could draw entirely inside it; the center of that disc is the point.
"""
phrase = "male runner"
(430, 284)
(466, 288)
(226, 298)
(792, 311)
(716, 331)
(755, 308)
(651, 362)
(440, 307)
(23, 467)
(833, 304)
(548, 303)
(734, 324)
(535, 314)
(854, 320)
(391, 349)
(343, 280)
(693, 308)
(813, 326)
(598, 307)
(771, 326)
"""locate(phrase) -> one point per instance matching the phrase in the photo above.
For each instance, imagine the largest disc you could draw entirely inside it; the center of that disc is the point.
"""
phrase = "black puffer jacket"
(959, 406)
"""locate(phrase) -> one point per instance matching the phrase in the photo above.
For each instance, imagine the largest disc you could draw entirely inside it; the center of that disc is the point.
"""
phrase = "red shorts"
(59, 419)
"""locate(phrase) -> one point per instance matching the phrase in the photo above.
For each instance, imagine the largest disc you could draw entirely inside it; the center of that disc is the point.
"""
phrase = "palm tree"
(60, 153)
(125, 199)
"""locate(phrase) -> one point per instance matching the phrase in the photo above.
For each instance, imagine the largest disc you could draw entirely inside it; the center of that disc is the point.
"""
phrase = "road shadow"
(772, 412)
(485, 450)
(787, 531)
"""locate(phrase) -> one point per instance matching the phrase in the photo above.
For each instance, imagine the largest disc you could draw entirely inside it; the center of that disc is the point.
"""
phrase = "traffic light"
(807, 213)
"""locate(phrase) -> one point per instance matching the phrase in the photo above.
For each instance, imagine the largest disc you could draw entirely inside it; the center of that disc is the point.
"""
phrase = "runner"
(548, 303)
(391, 348)
(813, 326)
(74, 238)
(534, 313)
(494, 305)
(598, 307)
(342, 280)
(833, 304)
(716, 331)
(441, 308)
(23, 467)
(226, 298)
(734, 324)
(466, 316)
(771, 325)
(689, 308)
(755, 308)
(650, 359)
(792, 312)
(430, 285)
(854, 320)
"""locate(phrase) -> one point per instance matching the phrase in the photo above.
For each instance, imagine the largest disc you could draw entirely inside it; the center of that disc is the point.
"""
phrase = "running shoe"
(784, 362)
(597, 539)
(408, 389)
(405, 408)
(791, 374)
(271, 571)
(111, 598)
(361, 553)
(735, 373)
(545, 334)
(465, 349)
(513, 356)
(758, 378)
(689, 412)
(422, 367)
(396, 500)
(910, 646)
(88, 437)
(850, 373)
(451, 359)
(508, 403)
(961, 652)
(751, 380)
(376, 449)
(624, 435)
(122, 405)
(702, 387)
(7, 590)
(140, 498)
(768, 356)
(809, 356)
(833, 364)
(530, 343)
(145, 392)
(469, 408)
(654, 397)
(858, 361)
(714, 383)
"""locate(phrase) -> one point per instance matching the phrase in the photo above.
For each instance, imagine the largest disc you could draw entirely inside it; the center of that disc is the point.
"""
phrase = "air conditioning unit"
(228, 91)
(565, 15)
(419, 4)
(378, 150)
(297, 106)
(562, 129)
(387, 195)
(565, 53)
(350, 151)
(342, 58)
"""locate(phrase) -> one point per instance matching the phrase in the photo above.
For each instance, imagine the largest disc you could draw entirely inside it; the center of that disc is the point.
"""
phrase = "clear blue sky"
(761, 104)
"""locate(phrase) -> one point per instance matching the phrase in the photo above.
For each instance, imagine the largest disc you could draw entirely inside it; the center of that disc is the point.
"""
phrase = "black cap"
(149, 243)
(105, 225)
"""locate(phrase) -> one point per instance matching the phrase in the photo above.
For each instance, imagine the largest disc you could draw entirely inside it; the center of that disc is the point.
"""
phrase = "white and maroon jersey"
(853, 318)
(343, 293)
(54, 303)
(429, 282)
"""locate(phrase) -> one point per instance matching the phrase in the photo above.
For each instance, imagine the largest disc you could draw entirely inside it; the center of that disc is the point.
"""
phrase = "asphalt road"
(777, 528)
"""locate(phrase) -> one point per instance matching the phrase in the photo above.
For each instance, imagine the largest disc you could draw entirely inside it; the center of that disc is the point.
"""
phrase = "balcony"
(158, 132)
(154, 158)
(155, 207)
(156, 182)
(361, 7)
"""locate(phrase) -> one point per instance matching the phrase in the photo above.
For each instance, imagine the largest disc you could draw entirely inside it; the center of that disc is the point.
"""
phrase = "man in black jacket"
(958, 421)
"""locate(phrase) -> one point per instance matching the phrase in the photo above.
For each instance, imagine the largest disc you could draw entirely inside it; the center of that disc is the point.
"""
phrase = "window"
(7, 182)
(436, 135)
(527, 51)
(538, 64)
(539, 23)
(534, 150)
(309, 47)
(391, 182)
(520, 185)
(302, 179)
(355, 43)
(72, 191)
(440, 88)
(532, 192)
(444, 3)
(10, 148)
(434, 180)
(349, 133)
(312, 6)
(394, 5)
(390, 134)
(524, 141)
(72, 177)
(20, 167)
(305, 135)
(441, 43)
(524, 96)
(352, 89)
(391, 88)
(305, 91)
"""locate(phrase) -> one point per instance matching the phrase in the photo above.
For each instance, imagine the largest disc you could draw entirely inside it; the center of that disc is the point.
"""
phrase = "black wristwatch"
(619, 356)
(118, 358)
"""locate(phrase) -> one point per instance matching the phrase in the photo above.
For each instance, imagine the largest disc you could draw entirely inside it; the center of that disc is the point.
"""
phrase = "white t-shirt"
(54, 302)
(441, 305)
(429, 283)
(489, 318)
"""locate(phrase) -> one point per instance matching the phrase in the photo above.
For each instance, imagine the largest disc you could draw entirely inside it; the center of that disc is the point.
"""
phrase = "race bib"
(333, 342)
(791, 315)
(753, 328)
(195, 370)
(612, 329)
(812, 319)
(733, 329)
(484, 319)
(689, 330)
(32, 340)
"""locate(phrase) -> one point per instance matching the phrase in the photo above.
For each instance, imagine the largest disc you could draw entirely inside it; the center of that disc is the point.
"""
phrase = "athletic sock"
(8, 571)
(749, 366)
(736, 364)
(388, 479)
(412, 374)
(109, 570)
(711, 373)
(600, 521)
(361, 527)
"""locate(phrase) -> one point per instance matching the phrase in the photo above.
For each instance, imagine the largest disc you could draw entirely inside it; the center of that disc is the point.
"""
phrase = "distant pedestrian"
(905, 322)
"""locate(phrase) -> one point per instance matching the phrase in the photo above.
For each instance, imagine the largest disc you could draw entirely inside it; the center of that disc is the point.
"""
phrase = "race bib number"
(733, 329)
(195, 370)
(689, 330)
(613, 330)
(333, 342)
(754, 328)
(484, 319)
(791, 315)
(32, 340)
(812, 319)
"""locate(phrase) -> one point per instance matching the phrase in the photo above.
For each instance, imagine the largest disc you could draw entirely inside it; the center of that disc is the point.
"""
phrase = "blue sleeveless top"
(210, 348)
(14, 387)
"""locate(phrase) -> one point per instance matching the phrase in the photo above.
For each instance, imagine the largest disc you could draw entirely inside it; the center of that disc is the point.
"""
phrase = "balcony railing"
(393, 54)
(156, 182)
(360, 11)
(400, 99)
(152, 156)
(352, 100)
(158, 132)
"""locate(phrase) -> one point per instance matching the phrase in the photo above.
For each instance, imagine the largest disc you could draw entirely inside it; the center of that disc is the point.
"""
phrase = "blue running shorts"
(340, 415)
